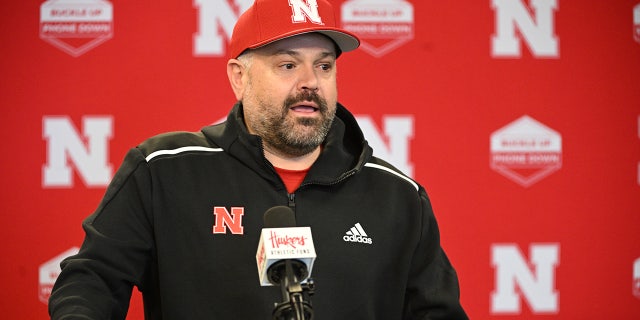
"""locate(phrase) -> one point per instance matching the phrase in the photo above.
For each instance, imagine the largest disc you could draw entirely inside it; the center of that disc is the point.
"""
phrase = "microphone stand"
(294, 306)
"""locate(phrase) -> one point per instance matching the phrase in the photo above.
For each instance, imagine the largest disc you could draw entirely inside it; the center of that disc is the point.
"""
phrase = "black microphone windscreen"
(279, 217)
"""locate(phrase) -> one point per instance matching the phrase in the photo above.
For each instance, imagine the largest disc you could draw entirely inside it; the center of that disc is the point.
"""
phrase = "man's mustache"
(306, 95)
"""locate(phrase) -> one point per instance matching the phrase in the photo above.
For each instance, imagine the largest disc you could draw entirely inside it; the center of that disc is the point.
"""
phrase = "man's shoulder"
(387, 169)
(177, 142)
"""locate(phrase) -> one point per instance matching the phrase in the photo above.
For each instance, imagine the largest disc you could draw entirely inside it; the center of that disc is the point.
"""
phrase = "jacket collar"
(345, 151)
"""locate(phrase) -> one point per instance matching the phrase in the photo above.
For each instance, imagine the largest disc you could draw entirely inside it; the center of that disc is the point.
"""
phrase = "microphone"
(281, 240)
(285, 258)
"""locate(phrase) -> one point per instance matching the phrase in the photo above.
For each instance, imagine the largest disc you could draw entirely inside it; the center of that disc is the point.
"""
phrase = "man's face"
(290, 93)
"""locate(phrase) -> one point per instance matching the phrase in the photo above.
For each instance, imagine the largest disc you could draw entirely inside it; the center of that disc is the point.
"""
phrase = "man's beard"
(300, 135)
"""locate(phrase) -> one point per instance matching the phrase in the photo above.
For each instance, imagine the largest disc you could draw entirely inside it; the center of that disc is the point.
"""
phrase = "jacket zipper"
(292, 201)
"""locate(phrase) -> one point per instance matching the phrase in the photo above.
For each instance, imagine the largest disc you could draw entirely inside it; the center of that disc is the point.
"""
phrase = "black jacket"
(154, 229)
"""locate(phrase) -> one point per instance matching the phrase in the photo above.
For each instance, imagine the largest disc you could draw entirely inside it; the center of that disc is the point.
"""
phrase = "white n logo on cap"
(302, 8)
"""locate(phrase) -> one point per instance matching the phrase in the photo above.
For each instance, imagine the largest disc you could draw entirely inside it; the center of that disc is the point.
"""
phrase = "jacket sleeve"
(432, 290)
(97, 282)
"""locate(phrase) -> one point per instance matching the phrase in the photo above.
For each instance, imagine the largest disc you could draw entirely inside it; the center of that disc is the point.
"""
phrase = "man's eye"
(288, 66)
(325, 66)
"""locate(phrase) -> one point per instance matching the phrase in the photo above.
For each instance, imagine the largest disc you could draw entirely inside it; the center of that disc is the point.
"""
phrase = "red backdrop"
(520, 117)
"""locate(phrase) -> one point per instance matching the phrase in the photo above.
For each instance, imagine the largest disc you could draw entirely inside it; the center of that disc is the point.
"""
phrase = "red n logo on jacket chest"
(225, 220)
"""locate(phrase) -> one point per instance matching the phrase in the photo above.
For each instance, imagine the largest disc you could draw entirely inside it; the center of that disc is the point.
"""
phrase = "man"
(182, 216)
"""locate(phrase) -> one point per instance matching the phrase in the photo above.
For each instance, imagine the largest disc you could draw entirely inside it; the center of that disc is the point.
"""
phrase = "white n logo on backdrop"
(66, 146)
(215, 16)
(398, 131)
(513, 271)
(537, 32)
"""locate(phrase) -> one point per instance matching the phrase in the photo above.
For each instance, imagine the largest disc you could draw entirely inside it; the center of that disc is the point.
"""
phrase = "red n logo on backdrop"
(224, 220)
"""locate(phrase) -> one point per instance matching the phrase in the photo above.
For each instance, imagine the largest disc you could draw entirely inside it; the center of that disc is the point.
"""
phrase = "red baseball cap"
(267, 21)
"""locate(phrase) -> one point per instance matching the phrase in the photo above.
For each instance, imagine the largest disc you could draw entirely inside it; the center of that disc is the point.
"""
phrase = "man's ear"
(235, 72)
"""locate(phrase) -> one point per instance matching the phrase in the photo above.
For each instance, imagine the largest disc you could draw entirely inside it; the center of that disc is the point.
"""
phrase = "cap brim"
(344, 40)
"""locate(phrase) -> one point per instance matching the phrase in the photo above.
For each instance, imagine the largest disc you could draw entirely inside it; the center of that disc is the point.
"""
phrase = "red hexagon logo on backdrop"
(76, 26)
(526, 151)
(381, 25)
(48, 274)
